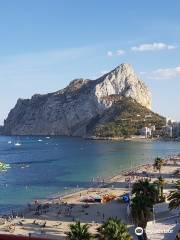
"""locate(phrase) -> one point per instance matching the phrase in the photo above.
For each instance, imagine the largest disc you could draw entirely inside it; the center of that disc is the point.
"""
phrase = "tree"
(141, 211)
(158, 163)
(174, 197)
(143, 187)
(113, 229)
(79, 232)
(160, 182)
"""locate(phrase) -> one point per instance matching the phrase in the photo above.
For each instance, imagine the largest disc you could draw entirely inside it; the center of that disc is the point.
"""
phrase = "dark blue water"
(59, 164)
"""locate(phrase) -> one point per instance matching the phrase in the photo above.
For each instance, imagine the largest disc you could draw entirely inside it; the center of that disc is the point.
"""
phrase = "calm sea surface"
(42, 167)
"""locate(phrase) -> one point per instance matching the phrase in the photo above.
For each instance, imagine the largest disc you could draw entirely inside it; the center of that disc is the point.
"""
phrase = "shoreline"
(107, 184)
(76, 191)
(133, 138)
(57, 212)
(107, 181)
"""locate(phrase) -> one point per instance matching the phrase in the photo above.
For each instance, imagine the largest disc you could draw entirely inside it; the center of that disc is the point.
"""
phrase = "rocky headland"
(81, 107)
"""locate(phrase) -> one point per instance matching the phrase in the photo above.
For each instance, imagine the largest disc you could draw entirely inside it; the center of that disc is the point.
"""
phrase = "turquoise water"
(57, 165)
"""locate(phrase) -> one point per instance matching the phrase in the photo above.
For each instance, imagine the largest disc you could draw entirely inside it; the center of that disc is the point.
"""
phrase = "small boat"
(9, 142)
(48, 137)
(17, 144)
(39, 140)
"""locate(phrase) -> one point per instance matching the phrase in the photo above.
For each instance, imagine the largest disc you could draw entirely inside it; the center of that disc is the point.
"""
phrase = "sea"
(43, 167)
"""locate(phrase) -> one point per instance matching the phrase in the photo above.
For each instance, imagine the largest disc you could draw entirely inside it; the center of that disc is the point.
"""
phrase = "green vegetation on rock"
(125, 118)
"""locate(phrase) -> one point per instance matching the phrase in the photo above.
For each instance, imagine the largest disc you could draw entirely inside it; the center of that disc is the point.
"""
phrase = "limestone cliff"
(70, 110)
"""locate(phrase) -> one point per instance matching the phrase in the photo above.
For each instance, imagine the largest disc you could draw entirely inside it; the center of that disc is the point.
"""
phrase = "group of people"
(65, 210)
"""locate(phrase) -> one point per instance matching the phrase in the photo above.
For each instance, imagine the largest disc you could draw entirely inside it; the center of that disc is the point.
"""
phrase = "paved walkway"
(163, 230)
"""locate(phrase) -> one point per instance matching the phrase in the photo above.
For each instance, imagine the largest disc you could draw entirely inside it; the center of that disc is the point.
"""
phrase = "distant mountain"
(72, 110)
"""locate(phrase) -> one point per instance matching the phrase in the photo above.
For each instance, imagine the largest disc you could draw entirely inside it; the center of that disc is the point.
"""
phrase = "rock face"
(1, 130)
(69, 111)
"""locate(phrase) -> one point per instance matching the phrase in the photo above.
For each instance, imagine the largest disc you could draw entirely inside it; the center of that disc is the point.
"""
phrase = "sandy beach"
(51, 218)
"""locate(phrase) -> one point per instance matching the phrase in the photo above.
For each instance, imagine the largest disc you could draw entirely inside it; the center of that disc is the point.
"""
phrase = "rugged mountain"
(70, 110)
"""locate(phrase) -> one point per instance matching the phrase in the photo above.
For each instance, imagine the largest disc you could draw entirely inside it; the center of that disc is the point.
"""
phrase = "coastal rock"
(68, 111)
(1, 130)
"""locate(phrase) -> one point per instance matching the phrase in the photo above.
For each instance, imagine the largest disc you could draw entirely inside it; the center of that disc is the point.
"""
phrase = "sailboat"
(17, 144)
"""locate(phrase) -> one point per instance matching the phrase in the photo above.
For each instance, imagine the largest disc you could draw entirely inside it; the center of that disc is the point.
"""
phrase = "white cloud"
(153, 47)
(109, 54)
(164, 73)
(120, 52)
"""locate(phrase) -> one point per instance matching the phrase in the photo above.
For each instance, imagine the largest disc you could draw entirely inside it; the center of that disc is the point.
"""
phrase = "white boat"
(39, 140)
(9, 142)
(48, 137)
(17, 144)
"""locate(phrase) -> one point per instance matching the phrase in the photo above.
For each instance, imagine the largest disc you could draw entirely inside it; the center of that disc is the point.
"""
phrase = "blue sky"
(45, 44)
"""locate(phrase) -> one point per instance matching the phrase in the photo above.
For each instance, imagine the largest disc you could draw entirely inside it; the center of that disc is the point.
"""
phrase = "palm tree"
(158, 163)
(160, 182)
(177, 235)
(174, 197)
(141, 211)
(113, 229)
(79, 232)
(143, 187)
